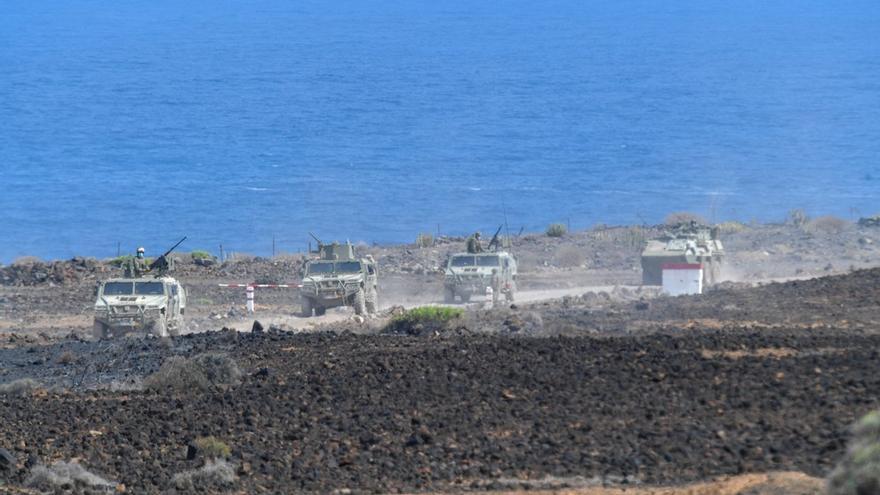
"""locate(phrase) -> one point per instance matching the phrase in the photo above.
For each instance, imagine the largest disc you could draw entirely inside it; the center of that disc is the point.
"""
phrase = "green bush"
(424, 240)
(556, 230)
(212, 448)
(201, 255)
(424, 319)
(859, 471)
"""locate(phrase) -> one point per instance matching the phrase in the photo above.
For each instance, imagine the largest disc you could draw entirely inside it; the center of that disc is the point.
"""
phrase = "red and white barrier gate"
(249, 291)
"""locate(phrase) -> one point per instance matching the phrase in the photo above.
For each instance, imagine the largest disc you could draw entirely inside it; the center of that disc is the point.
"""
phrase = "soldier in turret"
(474, 245)
(137, 266)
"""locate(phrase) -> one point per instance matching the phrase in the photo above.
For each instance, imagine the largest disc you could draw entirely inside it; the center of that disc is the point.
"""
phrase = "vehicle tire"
(305, 307)
(176, 327)
(465, 297)
(99, 331)
(372, 302)
(360, 303)
(448, 296)
(159, 328)
(320, 311)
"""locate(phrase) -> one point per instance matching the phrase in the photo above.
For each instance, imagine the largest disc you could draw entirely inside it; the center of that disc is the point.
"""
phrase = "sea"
(249, 124)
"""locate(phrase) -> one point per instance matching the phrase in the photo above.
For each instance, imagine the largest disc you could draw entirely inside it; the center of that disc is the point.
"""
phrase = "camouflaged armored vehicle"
(148, 306)
(470, 273)
(684, 243)
(338, 278)
(145, 300)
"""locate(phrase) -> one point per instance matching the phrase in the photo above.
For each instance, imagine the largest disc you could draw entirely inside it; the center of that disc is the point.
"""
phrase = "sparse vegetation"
(212, 448)
(556, 230)
(424, 319)
(827, 225)
(215, 474)
(20, 387)
(859, 471)
(732, 227)
(569, 257)
(203, 372)
(424, 240)
(678, 217)
(26, 260)
(797, 217)
(65, 476)
(201, 255)
(66, 357)
(121, 260)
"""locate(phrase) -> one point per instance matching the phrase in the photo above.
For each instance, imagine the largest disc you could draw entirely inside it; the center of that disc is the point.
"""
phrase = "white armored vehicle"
(149, 306)
(339, 278)
(471, 273)
(146, 300)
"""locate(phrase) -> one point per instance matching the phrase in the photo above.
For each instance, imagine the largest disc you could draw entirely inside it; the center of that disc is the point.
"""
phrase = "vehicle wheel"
(448, 296)
(320, 311)
(465, 298)
(99, 331)
(305, 307)
(159, 328)
(360, 303)
(373, 302)
(176, 328)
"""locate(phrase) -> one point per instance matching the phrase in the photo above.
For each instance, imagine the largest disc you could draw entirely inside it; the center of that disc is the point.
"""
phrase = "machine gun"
(496, 241)
(161, 264)
(320, 243)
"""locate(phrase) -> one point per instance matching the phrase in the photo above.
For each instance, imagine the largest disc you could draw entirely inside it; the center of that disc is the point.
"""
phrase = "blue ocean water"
(233, 122)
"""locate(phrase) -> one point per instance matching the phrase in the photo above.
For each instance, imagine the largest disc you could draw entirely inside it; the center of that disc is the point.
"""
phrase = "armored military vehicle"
(150, 306)
(339, 278)
(145, 300)
(683, 243)
(470, 273)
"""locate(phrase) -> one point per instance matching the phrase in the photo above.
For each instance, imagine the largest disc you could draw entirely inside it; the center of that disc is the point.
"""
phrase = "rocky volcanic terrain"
(557, 393)
(601, 387)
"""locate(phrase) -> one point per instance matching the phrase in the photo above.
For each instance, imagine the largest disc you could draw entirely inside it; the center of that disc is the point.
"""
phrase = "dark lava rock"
(7, 460)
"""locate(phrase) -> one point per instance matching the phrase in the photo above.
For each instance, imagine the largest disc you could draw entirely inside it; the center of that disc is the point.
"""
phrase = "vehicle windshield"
(338, 267)
(118, 288)
(458, 261)
(319, 268)
(149, 288)
(348, 267)
(488, 261)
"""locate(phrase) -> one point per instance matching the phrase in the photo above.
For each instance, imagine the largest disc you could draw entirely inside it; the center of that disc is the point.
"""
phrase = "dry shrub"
(26, 261)
(569, 257)
(859, 471)
(66, 357)
(212, 448)
(214, 475)
(827, 225)
(20, 387)
(203, 372)
(66, 476)
(678, 217)
(732, 227)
